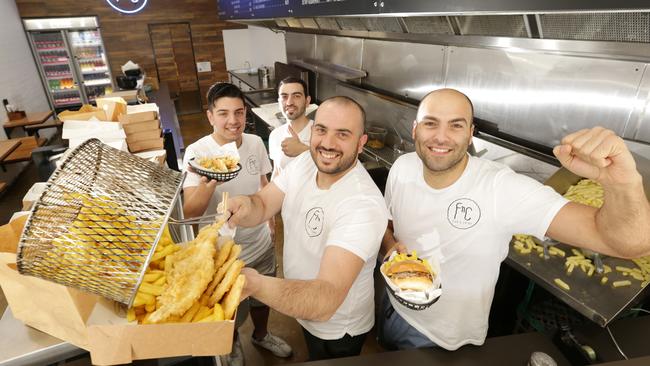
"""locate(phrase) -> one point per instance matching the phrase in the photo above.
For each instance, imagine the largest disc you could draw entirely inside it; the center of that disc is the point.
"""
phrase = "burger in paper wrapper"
(413, 281)
(410, 275)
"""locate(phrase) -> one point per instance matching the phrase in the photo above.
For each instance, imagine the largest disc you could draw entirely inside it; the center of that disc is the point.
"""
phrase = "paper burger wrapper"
(417, 297)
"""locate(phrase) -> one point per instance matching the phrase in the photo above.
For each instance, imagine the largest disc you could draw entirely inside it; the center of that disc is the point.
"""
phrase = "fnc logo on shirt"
(314, 221)
(252, 166)
(463, 213)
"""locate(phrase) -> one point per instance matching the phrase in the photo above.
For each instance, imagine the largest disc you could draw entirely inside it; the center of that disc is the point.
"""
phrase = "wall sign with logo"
(127, 6)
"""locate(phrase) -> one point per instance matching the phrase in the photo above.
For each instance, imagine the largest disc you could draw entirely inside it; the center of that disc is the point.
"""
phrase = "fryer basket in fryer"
(96, 224)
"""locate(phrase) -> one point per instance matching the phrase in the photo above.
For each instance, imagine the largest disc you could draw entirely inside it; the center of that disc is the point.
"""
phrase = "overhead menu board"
(261, 9)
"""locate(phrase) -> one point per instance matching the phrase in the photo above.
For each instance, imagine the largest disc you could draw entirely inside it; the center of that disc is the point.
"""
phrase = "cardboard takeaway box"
(143, 135)
(110, 133)
(85, 113)
(142, 127)
(138, 117)
(96, 324)
(146, 145)
(113, 107)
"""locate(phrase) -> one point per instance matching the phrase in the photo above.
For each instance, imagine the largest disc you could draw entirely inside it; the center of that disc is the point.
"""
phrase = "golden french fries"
(591, 193)
(211, 305)
(231, 301)
(227, 282)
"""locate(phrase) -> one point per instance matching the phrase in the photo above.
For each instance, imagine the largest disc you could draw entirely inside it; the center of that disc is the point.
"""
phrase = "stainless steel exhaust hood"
(536, 68)
(593, 20)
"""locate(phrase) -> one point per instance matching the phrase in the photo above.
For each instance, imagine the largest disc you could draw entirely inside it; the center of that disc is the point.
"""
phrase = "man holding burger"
(334, 218)
(463, 211)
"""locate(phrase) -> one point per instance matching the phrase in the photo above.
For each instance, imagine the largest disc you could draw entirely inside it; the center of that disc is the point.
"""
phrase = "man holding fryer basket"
(462, 211)
(334, 218)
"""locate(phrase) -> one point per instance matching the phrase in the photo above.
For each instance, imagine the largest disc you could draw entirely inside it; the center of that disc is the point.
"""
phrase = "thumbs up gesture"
(292, 146)
(598, 154)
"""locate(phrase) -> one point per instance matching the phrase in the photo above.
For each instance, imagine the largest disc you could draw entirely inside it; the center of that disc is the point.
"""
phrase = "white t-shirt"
(467, 226)
(280, 160)
(351, 214)
(254, 161)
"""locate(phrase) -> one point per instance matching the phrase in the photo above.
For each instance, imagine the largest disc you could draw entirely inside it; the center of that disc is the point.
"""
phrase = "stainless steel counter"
(598, 302)
(254, 82)
(22, 345)
(259, 98)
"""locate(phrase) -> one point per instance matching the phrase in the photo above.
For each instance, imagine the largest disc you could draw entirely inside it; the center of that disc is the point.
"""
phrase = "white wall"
(256, 45)
(20, 82)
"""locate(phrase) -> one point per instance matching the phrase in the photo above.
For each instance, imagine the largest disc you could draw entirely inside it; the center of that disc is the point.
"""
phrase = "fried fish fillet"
(225, 284)
(191, 271)
(231, 301)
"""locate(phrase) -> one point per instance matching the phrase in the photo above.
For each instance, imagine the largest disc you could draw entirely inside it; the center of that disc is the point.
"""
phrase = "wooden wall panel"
(126, 37)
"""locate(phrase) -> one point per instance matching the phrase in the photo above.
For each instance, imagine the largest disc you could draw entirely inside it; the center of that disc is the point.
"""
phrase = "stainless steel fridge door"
(91, 63)
(56, 68)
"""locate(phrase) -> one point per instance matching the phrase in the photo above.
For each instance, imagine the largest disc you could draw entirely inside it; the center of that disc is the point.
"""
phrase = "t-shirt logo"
(314, 221)
(463, 213)
(252, 166)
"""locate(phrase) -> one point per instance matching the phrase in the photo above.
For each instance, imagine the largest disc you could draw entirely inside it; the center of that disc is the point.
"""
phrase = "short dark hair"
(294, 80)
(345, 100)
(220, 90)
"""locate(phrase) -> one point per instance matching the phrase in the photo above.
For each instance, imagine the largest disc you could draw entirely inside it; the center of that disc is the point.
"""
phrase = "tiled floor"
(193, 127)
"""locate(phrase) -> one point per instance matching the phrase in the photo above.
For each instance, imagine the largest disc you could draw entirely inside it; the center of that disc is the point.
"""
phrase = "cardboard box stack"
(95, 122)
(142, 128)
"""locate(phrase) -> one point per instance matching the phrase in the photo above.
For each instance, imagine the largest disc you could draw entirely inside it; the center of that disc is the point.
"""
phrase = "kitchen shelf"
(50, 49)
(385, 156)
(86, 44)
(87, 59)
(69, 103)
(56, 77)
(63, 90)
(59, 63)
(94, 71)
(338, 72)
(97, 82)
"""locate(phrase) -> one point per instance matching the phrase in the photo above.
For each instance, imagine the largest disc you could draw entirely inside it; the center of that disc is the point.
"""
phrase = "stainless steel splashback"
(395, 116)
(527, 92)
(541, 97)
(407, 69)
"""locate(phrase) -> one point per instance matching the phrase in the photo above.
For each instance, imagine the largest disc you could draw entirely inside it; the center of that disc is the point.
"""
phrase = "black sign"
(260, 9)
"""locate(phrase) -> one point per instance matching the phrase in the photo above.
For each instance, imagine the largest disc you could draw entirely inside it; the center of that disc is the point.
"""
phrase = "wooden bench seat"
(24, 151)
(33, 129)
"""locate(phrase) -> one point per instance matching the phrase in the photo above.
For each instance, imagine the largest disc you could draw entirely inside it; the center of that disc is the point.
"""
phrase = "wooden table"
(22, 151)
(7, 147)
(31, 119)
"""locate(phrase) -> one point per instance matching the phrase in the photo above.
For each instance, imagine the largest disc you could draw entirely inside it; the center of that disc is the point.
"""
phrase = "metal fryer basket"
(96, 225)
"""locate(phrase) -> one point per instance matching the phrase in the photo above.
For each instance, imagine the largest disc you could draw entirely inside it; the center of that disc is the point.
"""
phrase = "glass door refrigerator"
(90, 58)
(71, 59)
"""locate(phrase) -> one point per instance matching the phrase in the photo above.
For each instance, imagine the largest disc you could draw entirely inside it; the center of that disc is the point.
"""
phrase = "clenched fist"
(598, 154)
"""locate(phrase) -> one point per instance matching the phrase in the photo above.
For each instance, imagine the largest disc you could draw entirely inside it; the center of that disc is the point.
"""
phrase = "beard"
(297, 113)
(440, 164)
(343, 164)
